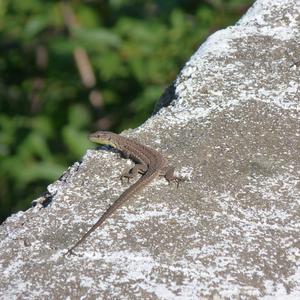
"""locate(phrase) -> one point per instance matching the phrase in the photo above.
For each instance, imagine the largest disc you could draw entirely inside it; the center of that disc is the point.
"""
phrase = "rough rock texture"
(230, 231)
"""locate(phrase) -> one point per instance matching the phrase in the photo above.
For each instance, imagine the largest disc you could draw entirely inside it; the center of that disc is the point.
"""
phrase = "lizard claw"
(69, 253)
(177, 180)
(122, 178)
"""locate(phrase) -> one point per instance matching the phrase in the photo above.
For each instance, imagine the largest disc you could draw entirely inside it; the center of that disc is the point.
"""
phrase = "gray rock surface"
(230, 231)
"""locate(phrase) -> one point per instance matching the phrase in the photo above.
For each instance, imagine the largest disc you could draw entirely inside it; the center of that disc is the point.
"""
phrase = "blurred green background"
(71, 67)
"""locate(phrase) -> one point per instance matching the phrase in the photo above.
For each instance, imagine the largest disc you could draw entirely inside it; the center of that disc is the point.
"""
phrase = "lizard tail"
(137, 186)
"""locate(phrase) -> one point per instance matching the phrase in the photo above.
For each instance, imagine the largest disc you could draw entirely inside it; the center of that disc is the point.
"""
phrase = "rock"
(230, 125)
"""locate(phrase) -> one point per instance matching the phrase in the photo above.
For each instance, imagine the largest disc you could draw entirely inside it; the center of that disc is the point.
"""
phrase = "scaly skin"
(149, 162)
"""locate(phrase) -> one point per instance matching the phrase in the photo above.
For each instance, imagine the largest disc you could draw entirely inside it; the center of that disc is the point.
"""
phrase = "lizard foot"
(69, 253)
(177, 180)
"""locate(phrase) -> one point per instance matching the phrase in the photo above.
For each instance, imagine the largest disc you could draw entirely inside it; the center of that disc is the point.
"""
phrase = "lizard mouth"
(92, 137)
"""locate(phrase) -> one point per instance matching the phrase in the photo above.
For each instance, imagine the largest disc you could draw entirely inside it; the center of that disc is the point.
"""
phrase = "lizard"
(148, 162)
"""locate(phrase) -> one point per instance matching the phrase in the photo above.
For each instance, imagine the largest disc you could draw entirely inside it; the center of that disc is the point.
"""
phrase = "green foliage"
(136, 48)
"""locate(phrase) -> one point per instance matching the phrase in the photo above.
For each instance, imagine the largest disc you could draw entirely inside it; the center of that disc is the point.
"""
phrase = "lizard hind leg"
(169, 175)
(137, 169)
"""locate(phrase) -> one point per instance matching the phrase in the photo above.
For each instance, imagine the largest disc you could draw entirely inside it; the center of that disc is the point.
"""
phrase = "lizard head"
(103, 137)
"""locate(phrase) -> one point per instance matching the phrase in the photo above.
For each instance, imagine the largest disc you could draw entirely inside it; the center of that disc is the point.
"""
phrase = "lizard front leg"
(137, 169)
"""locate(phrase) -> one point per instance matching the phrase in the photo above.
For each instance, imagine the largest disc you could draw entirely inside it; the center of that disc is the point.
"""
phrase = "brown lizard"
(148, 162)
